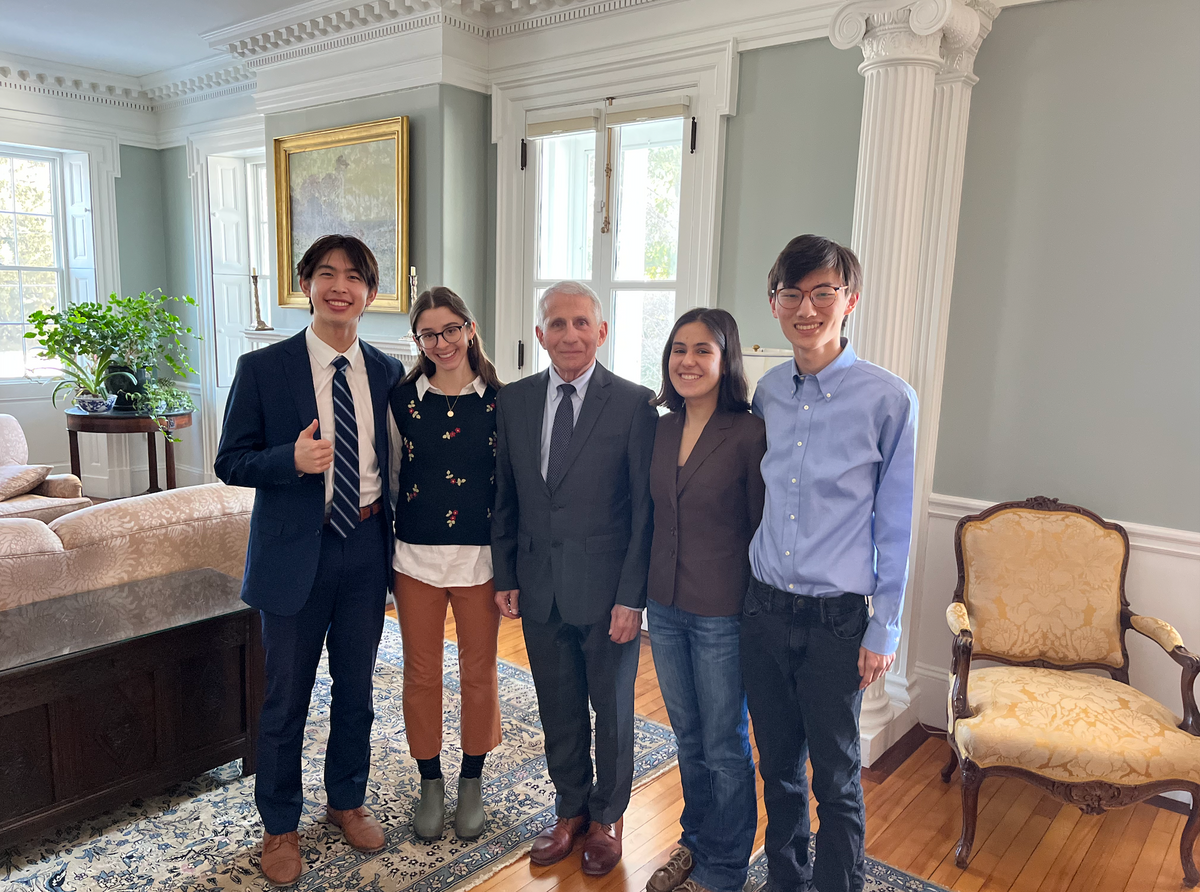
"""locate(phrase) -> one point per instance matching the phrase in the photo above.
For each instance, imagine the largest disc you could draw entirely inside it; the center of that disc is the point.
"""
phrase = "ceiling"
(130, 37)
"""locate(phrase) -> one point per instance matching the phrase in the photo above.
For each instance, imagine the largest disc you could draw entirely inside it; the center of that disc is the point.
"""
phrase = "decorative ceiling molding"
(268, 40)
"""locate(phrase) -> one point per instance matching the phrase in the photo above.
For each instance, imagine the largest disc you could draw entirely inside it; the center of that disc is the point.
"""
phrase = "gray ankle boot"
(469, 818)
(429, 819)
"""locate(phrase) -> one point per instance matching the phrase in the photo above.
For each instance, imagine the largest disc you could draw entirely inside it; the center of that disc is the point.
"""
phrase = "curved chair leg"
(1187, 843)
(948, 771)
(972, 777)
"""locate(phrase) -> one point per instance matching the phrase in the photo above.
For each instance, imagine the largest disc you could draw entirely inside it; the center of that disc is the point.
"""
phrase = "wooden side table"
(79, 421)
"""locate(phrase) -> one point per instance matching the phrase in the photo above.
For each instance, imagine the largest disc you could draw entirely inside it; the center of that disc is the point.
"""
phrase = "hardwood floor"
(1026, 841)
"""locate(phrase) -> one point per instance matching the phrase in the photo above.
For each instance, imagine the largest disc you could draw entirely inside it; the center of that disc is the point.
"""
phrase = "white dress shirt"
(552, 398)
(442, 566)
(320, 358)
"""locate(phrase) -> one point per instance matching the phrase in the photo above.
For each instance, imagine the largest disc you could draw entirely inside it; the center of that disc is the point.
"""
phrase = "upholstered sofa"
(124, 541)
(55, 496)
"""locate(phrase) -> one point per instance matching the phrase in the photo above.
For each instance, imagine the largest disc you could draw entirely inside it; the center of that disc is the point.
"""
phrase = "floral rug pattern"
(205, 835)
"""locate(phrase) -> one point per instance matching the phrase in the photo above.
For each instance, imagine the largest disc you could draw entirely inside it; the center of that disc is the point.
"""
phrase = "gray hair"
(567, 287)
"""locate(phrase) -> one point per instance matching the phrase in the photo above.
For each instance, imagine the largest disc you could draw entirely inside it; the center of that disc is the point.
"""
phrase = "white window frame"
(707, 74)
(61, 266)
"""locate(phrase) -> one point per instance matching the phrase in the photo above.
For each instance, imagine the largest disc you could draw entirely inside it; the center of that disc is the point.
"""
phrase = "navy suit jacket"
(271, 401)
(585, 545)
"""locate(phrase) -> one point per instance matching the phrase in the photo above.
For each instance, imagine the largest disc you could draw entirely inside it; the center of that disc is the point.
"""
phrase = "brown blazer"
(705, 517)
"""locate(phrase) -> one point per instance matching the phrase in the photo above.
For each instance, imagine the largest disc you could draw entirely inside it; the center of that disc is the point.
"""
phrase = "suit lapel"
(597, 395)
(298, 371)
(711, 437)
(535, 410)
(377, 378)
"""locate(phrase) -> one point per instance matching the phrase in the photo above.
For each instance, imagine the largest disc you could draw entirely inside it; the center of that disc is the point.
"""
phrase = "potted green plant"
(80, 338)
(157, 399)
(147, 332)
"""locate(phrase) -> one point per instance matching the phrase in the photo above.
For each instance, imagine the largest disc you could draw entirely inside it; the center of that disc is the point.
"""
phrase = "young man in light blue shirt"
(841, 440)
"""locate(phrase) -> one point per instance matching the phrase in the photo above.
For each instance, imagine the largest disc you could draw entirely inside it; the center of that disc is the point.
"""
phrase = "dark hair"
(359, 255)
(441, 296)
(807, 253)
(734, 393)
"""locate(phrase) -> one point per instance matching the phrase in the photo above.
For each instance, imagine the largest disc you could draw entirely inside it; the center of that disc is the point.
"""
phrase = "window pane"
(567, 194)
(651, 166)
(35, 240)
(641, 322)
(10, 297)
(32, 182)
(12, 357)
(8, 241)
(264, 251)
(6, 197)
(40, 291)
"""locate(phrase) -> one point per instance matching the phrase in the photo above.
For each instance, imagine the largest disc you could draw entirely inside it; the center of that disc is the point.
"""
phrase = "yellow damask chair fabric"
(1041, 592)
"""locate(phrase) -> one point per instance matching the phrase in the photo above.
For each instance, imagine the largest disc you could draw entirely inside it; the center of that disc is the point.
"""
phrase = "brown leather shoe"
(558, 840)
(602, 848)
(361, 830)
(672, 874)
(280, 862)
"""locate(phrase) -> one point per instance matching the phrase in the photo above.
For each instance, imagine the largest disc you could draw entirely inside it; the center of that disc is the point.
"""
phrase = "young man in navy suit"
(306, 427)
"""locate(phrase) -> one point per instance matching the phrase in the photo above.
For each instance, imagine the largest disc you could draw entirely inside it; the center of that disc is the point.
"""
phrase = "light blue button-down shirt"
(841, 447)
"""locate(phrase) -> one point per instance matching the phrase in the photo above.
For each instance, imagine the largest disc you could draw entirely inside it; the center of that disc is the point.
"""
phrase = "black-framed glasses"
(451, 334)
(822, 296)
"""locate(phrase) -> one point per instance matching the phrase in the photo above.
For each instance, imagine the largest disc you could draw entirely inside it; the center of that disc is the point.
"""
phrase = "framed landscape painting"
(348, 180)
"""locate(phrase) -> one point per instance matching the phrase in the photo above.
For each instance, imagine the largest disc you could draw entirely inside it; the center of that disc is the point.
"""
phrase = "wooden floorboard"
(1025, 840)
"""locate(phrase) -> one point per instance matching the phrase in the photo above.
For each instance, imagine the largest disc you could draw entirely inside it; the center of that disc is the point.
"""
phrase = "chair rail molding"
(917, 58)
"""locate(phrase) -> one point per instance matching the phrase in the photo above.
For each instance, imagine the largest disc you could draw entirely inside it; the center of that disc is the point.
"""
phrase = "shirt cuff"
(879, 638)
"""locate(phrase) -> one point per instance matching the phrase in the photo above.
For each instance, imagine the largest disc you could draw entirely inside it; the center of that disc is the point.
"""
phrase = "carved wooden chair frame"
(1091, 797)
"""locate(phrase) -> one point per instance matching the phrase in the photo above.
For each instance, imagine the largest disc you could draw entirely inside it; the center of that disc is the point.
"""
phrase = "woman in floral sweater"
(445, 413)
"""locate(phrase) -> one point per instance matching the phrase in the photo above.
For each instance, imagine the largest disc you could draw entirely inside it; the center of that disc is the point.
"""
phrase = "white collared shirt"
(320, 358)
(552, 399)
(442, 566)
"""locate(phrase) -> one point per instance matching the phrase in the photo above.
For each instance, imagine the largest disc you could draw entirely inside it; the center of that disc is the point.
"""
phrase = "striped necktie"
(345, 512)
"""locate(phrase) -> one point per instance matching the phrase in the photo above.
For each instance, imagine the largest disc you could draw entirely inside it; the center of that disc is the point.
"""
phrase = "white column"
(902, 42)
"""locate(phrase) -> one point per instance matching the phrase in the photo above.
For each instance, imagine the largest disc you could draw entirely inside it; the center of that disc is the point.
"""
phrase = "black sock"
(472, 766)
(431, 769)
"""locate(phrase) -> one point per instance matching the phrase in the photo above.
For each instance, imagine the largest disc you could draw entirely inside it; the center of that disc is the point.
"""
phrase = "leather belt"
(366, 511)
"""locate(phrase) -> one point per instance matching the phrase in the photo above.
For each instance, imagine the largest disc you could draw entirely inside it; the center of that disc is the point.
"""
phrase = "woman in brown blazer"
(708, 502)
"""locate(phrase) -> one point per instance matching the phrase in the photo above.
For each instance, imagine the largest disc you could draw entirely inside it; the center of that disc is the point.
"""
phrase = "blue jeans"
(800, 660)
(699, 671)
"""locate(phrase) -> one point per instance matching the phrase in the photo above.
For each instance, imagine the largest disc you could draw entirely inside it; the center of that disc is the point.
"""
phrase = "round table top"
(125, 422)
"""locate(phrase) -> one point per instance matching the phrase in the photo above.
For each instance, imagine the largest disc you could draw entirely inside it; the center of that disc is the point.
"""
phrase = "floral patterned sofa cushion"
(123, 541)
(1072, 726)
(53, 496)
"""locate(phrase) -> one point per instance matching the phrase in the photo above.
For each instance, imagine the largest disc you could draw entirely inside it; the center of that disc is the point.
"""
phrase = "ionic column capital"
(958, 59)
(914, 32)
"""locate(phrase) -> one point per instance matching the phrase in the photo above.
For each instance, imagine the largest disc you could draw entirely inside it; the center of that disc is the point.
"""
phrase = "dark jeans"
(800, 668)
(572, 665)
(344, 612)
(696, 659)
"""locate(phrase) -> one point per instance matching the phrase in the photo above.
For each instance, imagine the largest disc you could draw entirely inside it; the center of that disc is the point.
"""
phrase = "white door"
(232, 301)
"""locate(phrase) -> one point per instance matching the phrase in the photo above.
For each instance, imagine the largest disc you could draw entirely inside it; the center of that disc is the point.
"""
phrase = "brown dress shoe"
(558, 840)
(602, 848)
(280, 862)
(672, 874)
(361, 830)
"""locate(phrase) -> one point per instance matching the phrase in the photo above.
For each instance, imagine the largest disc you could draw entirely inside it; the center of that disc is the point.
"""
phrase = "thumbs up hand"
(312, 456)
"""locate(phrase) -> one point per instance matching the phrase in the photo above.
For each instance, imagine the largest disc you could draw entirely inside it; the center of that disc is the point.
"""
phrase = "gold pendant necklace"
(450, 406)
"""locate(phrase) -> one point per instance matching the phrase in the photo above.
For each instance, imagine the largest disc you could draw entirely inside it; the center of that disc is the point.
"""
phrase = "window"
(613, 223)
(32, 269)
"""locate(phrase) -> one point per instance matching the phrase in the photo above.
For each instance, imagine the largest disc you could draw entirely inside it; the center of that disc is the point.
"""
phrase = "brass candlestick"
(412, 286)
(259, 325)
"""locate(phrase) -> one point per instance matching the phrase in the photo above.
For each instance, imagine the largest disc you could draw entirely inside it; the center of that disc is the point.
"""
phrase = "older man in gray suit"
(571, 548)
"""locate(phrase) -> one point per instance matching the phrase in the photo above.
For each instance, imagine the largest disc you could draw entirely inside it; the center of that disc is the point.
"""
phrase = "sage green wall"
(141, 235)
(791, 158)
(179, 232)
(1073, 363)
(466, 142)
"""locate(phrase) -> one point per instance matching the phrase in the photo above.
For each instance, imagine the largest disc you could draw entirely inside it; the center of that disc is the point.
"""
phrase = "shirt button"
(790, 585)
(799, 442)
(793, 480)
(806, 408)
(793, 517)
(828, 395)
(787, 552)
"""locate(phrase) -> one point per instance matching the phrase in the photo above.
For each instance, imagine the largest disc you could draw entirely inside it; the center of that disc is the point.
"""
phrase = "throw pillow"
(16, 480)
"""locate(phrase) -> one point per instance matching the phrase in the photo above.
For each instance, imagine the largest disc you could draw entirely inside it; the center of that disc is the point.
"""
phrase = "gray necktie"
(560, 435)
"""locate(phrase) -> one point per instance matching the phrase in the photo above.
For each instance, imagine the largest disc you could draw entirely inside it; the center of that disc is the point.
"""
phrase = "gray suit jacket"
(586, 544)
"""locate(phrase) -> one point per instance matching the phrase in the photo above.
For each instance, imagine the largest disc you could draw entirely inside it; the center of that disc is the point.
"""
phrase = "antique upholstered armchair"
(1041, 592)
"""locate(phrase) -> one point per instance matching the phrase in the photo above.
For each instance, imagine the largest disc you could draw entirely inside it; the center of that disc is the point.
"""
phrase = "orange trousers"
(422, 612)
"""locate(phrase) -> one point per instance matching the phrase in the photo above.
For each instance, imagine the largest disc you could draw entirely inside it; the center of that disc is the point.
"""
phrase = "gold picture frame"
(349, 180)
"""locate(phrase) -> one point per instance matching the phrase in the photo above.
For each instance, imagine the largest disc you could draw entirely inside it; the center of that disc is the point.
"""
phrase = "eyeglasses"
(451, 334)
(822, 296)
